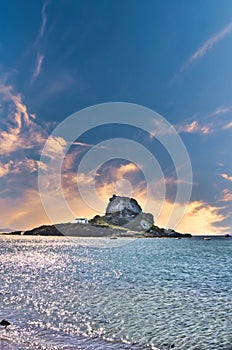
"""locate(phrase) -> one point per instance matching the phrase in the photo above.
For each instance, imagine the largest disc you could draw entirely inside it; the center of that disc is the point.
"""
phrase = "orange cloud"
(5, 168)
(55, 146)
(23, 212)
(22, 130)
(124, 169)
(20, 166)
(202, 218)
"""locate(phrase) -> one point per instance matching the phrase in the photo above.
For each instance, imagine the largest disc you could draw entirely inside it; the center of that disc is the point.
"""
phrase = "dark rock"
(156, 231)
(5, 323)
(187, 235)
(13, 233)
(45, 230)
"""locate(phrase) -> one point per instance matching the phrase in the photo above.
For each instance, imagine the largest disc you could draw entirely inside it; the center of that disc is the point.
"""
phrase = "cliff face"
(118, 204)
(125, 211)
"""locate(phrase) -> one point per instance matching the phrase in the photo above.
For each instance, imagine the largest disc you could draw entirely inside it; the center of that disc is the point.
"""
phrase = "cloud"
(20, 129)
(114, 177)
(207, 46)
(226, 196)
(220, 110)
(122, 170)
(55, 147)
(173, 181)
(206, 125)
(226, 176)
(227, 126)
(194, 127)
(111, 179)
(26, 211)
(22, 136)
(5, 168)
(38, 67)
(42, 28)
(202, 218)
(21, 166)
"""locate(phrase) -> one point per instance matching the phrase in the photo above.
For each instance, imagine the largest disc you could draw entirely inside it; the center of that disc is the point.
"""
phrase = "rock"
(5, 323)
(156, 231)
(126, 212)
(45, 230)
(141, 222)
(119, 204)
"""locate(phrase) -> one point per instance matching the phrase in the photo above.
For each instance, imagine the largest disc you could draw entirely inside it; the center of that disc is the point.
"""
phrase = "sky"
(59, 57)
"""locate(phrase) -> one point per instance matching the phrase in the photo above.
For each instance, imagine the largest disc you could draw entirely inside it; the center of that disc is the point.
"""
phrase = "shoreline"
(94, 230)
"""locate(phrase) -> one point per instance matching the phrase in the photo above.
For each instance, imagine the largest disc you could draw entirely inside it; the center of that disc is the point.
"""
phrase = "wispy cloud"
(42, 28)
(194, 127)
(227, 126)
(220, 110)
(209, 123)
(226, 177)
(38, 67)
(226, 196)
(40, 35)
(207, 46)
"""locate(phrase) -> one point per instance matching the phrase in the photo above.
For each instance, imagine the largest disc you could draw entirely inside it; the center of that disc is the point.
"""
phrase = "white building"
(81, 221)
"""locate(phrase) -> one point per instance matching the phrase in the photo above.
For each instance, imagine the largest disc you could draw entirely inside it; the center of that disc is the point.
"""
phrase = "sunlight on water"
(152, 293)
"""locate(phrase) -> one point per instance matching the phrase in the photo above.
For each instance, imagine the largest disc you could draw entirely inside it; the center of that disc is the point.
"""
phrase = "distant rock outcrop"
(158, 232)
(45, 230)
(123, 217)
(4, 230)
(125, 211)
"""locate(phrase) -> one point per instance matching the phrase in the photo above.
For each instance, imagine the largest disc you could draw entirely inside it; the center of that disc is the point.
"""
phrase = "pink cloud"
(194, 127)
(226, 176)
(226, 196)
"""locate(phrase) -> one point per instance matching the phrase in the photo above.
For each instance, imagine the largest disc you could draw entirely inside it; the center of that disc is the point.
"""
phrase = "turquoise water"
(145, 294)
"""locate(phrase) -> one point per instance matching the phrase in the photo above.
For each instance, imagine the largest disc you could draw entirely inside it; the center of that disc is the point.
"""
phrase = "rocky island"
(123, 217)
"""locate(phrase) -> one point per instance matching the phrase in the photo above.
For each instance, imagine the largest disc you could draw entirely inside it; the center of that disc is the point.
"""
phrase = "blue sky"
(174, 57)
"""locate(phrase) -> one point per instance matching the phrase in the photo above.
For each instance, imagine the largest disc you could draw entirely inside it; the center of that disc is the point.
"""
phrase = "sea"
(63, 293)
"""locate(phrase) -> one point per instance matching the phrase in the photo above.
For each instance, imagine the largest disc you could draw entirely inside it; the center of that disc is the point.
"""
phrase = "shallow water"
(60, 294)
